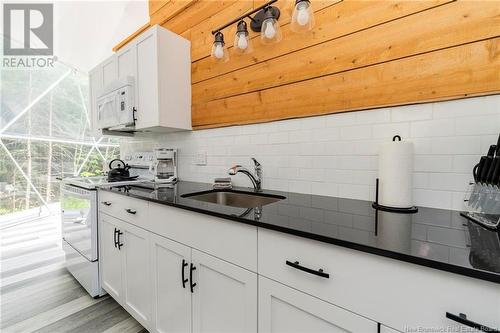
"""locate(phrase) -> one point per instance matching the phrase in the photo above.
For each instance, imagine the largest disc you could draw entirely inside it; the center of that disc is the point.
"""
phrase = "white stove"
(79, 204)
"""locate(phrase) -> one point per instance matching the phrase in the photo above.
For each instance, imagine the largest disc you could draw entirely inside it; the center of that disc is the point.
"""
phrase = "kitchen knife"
(487, 164)
(495, 178)
(498, 146)
(478, 169)
(494, 168)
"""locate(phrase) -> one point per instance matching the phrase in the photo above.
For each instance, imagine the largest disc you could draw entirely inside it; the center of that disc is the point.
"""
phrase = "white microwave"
(115, 105)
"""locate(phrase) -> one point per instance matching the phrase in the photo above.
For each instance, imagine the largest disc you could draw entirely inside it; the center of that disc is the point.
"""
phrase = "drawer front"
(134, 211)
(397, 294)
(231, 241)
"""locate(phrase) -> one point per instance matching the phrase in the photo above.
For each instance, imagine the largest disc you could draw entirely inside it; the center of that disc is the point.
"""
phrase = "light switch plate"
(200, 158)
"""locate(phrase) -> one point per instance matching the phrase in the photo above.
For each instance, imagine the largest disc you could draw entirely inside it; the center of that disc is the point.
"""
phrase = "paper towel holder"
(397, 210)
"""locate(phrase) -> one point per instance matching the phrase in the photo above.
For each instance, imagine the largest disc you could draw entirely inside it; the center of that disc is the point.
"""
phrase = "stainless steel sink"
(235, 198)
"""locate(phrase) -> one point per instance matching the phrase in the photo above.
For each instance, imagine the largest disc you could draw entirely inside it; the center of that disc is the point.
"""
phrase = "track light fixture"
(302, 17)
(270, 31)
(219, 49)
(242, 43)
(264, 21)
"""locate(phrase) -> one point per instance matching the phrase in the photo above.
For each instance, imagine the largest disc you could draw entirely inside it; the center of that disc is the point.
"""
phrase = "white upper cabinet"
(158, 62)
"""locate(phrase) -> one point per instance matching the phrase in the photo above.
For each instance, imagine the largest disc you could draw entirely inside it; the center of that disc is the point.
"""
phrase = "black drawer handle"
(119, 233)
(462, 319)
(106, 203)
(114, 237)
(192, 285)
(319, 272)
(184, 280)
(130, 211)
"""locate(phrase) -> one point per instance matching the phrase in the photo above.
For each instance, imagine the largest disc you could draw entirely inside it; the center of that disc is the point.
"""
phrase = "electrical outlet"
(200, 158)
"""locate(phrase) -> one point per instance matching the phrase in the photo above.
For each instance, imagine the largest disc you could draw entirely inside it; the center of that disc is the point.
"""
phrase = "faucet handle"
(257, 164)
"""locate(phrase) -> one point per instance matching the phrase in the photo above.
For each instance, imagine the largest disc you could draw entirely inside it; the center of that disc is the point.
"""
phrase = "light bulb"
(218, 52)
(269, 31)
(303, 16)
(242, 42)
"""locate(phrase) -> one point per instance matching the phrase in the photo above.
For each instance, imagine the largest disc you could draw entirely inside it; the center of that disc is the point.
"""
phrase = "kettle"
(120, 172)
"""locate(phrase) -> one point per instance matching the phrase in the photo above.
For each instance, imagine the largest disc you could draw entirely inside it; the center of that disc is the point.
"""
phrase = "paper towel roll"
(395, 170)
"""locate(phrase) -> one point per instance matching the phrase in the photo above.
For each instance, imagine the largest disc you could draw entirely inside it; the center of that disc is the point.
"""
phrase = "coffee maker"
(164, 165)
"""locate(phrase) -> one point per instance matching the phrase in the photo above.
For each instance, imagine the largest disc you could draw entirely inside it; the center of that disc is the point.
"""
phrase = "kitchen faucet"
(256, 179)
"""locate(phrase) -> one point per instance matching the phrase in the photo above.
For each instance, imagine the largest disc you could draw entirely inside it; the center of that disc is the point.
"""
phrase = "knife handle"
(498, 145)
(495, 178)
(492, 150)
(486, 169)
(492, 170)
(478, 168)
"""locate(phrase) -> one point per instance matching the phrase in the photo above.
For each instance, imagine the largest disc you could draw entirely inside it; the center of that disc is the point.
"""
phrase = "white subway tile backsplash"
(353, 191)
(456, 145)
(448, 181)
(300, 186)
(412, 112)
(278, 137)
(467, 107)
(431, 128)
(465, 163)
(373, 116)
(337, 154)
(478, 125)
(432, 198)
(356, 132)
(390, 130)
(433, 163)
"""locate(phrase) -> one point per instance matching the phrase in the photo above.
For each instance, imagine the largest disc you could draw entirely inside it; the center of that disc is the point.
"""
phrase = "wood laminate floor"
(37, 294)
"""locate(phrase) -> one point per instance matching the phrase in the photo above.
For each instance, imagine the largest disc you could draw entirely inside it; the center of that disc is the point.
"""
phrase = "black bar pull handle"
(319, 272)
(191, 283)
(462, 319)
(130, 211)
(118, 239)
(184, 280)
(106, 203)
(114, 237)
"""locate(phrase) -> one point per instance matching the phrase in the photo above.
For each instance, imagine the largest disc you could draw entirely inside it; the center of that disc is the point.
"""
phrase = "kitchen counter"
(436, 238)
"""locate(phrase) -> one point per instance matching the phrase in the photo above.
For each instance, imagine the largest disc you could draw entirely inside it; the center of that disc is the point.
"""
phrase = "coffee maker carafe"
(164, 165)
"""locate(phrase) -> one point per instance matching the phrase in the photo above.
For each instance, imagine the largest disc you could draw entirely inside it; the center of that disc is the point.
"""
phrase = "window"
(45, 134)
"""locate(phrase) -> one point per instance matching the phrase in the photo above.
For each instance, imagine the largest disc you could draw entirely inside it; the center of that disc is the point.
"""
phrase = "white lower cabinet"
(178, 271)
(224, 297)
(283, 309)
(171, 290)
(197, 292)
(124, 265)
(109, 256)
(136, 272)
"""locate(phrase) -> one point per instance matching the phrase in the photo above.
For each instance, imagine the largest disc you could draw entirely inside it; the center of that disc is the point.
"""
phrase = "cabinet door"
(136, 273)
(224, 297)
(110, 257)
(126, 61)
(283, 309)
(109, 70)
(147, 80)
(171, 294)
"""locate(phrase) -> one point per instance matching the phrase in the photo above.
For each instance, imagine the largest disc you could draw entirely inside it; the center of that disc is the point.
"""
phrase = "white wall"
(336, 155)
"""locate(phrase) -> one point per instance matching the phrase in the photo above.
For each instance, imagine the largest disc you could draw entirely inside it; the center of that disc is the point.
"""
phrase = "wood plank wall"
(361, 54)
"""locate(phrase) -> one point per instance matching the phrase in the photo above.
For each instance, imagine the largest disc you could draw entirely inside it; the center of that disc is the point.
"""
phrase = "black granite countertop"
(436, 238)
